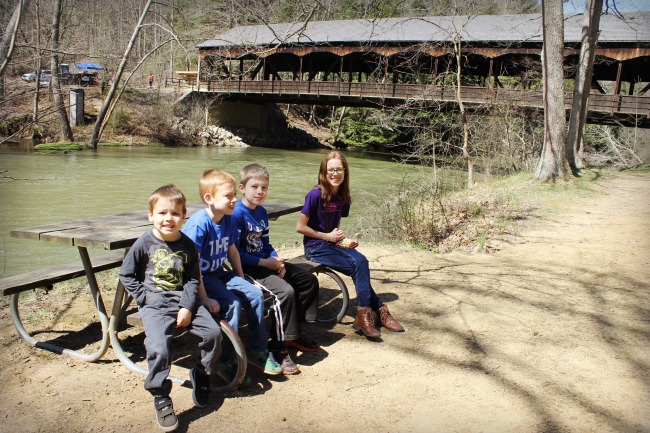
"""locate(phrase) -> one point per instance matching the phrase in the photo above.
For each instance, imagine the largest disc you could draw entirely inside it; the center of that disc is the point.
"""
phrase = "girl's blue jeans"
(349, 262)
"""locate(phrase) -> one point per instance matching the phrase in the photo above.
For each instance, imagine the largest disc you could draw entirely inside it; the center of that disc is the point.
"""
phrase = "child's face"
(335, 173)
(167, 218)
(255, 191)
(224, 199)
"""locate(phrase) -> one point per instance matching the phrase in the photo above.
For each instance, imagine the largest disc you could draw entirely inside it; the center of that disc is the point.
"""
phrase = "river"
(36, 189)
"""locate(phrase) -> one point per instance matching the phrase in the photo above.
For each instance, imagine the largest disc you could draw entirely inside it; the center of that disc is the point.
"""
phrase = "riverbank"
(549, 333)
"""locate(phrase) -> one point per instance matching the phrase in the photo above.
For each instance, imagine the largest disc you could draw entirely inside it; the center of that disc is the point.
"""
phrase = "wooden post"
(617, 87)
(435, 72)
(340, 74)
(198, 73)
(350, 74)
(299, 77)
(489, 82)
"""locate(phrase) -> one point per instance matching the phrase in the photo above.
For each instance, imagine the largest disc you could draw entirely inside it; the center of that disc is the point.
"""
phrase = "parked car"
(46, 76)
(29, 77)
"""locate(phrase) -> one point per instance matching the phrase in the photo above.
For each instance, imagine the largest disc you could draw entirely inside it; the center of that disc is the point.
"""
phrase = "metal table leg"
(99, 305)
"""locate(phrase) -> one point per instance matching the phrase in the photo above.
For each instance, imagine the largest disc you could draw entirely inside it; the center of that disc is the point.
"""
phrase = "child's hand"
(212, 305)
(274, 263)
(281, 271)
(183, 318)
(335, 235)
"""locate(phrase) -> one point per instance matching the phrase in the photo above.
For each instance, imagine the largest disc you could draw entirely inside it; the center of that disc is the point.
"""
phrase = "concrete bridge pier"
(262, 118)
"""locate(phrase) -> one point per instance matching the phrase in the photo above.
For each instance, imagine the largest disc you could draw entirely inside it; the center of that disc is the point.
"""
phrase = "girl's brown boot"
(365, 322)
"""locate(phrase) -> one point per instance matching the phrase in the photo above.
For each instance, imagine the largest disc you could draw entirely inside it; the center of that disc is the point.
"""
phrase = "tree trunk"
(552, 162)
(94, 139)
(9, 38)
(66, 131)
(463, 113)
(39, 66)
(578, 116)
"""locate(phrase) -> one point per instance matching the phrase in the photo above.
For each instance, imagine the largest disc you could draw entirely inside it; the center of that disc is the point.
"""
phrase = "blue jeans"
(233, 292)
(349, 262)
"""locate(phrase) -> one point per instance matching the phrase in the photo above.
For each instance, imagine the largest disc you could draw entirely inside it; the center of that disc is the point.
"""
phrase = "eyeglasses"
(336, 170)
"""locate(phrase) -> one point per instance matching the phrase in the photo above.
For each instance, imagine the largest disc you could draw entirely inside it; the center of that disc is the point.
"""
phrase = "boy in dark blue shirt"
(295, 289)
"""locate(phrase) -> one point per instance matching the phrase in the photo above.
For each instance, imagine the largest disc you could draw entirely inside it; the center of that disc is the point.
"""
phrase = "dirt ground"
(550, 333)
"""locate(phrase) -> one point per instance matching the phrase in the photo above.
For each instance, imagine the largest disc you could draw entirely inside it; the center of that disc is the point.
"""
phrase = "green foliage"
(360, 129)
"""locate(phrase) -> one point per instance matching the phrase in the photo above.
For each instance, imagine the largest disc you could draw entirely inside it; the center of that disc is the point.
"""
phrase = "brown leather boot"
(388, 321)
(365, 322)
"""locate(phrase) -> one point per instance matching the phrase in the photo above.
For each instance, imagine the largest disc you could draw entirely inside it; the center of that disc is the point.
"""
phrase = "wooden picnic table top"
(111, 232)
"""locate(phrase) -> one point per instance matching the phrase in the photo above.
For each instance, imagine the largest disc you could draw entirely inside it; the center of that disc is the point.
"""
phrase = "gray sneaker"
(165, 415)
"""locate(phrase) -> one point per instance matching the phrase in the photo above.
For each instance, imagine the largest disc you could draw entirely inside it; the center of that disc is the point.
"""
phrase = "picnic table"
(115, 233)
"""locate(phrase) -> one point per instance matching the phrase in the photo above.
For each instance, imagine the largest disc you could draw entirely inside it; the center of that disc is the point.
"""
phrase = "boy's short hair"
(213, 179)
(251, 171)
(170, 192)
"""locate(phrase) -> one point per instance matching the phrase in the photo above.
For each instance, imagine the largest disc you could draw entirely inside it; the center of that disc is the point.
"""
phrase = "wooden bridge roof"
(480, 29)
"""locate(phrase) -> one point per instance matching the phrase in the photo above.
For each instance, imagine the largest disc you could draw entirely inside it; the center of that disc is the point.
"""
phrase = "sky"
(578, 6)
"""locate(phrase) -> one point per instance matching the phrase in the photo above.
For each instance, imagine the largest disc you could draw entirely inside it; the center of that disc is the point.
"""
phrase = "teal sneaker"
(265, 362)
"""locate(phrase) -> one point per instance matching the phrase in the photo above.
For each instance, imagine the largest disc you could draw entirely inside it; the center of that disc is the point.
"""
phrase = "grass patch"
(59, 147)
(112, 144)
(476, 219)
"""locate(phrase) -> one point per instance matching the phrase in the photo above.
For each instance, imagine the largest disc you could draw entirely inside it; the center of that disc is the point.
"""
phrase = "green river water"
(37, 189)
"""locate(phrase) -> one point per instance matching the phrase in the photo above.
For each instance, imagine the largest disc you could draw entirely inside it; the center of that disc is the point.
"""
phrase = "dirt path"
(549, 334)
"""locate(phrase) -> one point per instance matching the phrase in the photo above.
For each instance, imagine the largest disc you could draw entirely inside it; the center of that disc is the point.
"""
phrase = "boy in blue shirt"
(295, 290)
(161, 272)
(214, 233)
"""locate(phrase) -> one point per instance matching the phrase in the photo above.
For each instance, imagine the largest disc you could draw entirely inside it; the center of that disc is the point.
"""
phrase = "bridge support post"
(262, 118)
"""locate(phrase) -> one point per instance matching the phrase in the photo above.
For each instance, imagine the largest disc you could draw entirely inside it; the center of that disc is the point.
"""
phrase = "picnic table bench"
(116, 233)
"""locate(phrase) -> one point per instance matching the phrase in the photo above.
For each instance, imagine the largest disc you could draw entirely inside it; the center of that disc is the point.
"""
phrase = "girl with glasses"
(325, 242)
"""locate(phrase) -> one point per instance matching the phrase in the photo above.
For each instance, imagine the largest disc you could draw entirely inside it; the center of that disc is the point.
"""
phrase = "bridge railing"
(603, 103)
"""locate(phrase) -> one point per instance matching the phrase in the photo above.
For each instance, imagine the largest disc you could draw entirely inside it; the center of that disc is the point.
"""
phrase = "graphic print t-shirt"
(158, 266)
(211, 239)
(322, 217)
(253, 242)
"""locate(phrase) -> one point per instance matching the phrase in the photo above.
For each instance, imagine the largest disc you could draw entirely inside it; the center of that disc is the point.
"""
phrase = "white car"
(29, 77)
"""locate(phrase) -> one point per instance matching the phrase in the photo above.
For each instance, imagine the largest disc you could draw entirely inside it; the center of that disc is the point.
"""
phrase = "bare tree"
(94, 139)
(8, 41)
(552, 162)
(457, 39)
(578, 116)
(55, 84)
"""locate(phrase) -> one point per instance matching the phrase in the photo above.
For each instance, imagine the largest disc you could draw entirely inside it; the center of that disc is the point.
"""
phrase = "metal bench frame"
(317, 268)
(46, 278)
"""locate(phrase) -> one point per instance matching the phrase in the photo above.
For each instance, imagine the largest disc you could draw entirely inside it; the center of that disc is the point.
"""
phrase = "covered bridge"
(498, 52)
